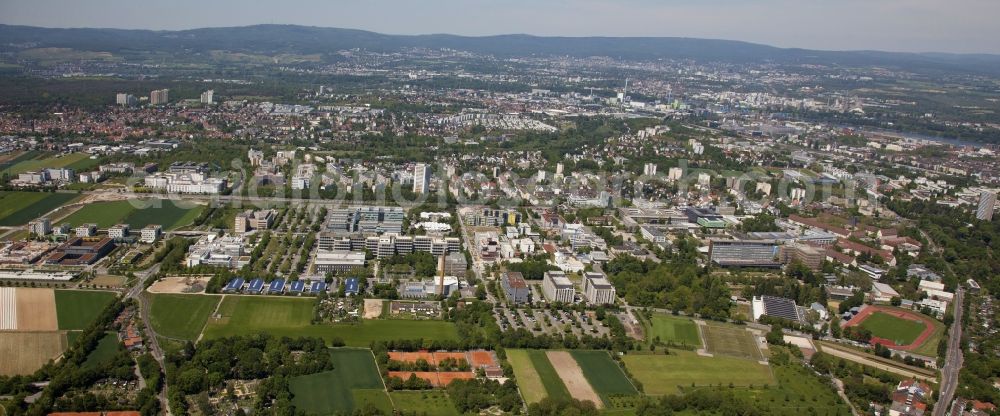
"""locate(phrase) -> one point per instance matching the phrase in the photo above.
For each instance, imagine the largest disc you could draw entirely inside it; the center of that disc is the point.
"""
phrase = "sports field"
(25, 352)
(668, 329)
(76, 161)
(137, 214)
(18, 208)
(667, 374)
(286, 316)
(603, 374)
(77, 309)
(430, 402)
(731, 340)
(333, 392)
(898, 330)
(180, 316)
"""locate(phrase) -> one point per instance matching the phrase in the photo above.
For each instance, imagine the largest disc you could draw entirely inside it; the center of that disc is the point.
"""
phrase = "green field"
(288, 316)
(681, 331)
(603, 374)
(665, 374)
(76, 161)
(104, 352)
(333, 391)
(180, 316)
(135, 213)
(18, 208)
(797, 393)
(77, 309)
(528, 380)
(731, 340)
(431, 402)
(901, 331)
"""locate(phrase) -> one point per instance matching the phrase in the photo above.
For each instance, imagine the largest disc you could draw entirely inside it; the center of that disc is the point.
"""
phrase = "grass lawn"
(900, 331)
(165, 213)
(528, 379)
(104, 214)
(136, 213)
(554, 386)
(181, 316)
(665, 374)
(334, 391)
(668, 328)
(731, 340)
(77, 309)
(18, 208)
(929, 347)
(603, 374)
(429, 402)
(72, 161)
(104, 352)
(291, 316)
(366, 400)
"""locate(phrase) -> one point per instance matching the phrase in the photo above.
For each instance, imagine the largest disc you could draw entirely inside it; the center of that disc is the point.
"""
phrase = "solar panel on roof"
(297, 286)
(318, 287)
(276, 285)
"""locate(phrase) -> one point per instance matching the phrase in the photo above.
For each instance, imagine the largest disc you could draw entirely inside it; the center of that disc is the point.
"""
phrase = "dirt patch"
(373, 308)
(180, 284)
(26, 352)
(572, 376)
(36, 310)
(108, 280)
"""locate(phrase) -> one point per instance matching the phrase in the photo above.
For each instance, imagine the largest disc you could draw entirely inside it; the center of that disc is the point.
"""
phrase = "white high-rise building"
(675, 174)
(559, 169)
(987, 202)
(157, 97)
(421, 178)
(597, 289)
(557, 287)
(40, 227)
(208, 97)
(649, 169)
(125, 100)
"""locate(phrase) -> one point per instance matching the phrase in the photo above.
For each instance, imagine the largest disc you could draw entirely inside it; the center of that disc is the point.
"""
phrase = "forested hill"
(275, 39)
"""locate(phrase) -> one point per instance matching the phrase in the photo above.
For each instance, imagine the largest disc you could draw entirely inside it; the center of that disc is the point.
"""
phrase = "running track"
(868, 310)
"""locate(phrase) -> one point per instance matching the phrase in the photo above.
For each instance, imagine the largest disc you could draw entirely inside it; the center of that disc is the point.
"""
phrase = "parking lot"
(545, 321)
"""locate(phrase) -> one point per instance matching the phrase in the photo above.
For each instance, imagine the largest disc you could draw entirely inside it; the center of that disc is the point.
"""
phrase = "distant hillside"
(290, 39)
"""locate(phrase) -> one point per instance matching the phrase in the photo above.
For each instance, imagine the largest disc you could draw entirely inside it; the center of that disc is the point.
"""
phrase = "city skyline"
(964, 26)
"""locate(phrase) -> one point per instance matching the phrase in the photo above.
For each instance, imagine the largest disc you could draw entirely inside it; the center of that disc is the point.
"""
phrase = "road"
(137, 292)
(953, 358)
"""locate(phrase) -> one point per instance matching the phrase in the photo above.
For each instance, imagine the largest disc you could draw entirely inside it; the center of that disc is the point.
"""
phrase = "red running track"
(868, 310)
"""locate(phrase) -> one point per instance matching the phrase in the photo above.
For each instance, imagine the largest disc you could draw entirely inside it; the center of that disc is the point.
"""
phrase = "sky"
(965, 26)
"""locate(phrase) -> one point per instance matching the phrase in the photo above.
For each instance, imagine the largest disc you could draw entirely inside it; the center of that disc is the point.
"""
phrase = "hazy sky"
(896, 25)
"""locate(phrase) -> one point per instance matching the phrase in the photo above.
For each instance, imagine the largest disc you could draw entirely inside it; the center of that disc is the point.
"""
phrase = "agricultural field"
(334, 391)
(730, 340)
(77, 309)
(137, 214)
(536, 377)
(75, 161)
(181, 316)
(899, 330)
(670, 329)
(26, 352)
(668, 374)
(18, 208)
(288, 316)
(603, 374)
